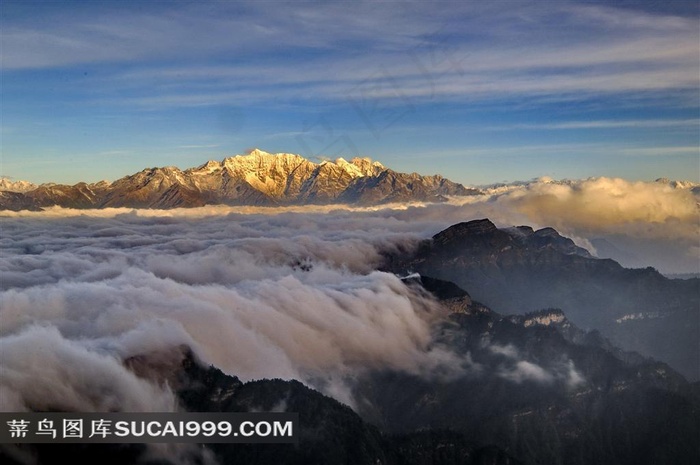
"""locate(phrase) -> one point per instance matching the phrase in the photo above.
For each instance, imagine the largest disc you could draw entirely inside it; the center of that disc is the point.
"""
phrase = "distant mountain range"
(258, 178)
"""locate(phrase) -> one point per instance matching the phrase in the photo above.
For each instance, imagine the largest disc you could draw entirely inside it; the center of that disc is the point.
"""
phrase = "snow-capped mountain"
(9, 185)
(258, 178)
(689, 185)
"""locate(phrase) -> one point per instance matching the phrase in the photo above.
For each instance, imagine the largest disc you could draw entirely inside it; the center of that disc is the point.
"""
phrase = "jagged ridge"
(258, 178)
(517, 270)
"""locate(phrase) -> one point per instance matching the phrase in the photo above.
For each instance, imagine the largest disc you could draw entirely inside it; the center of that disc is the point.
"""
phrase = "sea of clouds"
(290, 295)
(270, 292)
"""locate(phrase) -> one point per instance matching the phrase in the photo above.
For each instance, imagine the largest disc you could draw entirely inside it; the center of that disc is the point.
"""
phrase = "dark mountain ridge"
(543, 390)
(518, 270)
(330, 433)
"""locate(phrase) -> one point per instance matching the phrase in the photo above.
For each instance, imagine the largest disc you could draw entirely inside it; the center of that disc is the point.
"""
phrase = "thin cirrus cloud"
(176, 30)
(433, 59)
(608, 124)
(471, 78)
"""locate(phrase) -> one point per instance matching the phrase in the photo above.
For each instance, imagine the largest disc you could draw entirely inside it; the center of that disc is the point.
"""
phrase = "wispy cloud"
(608, 124)
(660, 151)
(594, 50)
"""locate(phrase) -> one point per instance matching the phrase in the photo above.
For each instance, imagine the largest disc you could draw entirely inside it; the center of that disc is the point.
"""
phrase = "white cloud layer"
(289, 296)
(641, 223)
(271, 292)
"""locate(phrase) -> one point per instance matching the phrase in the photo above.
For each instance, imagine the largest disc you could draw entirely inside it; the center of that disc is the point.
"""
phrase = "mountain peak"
(367, 165)
(357, 167)
(256, 152)
(473, 233)
(7, 184)
(256, 178)
(469, 228)
(209, 167)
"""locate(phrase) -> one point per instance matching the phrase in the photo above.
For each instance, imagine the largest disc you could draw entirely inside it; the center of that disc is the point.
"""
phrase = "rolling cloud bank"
(288, 293)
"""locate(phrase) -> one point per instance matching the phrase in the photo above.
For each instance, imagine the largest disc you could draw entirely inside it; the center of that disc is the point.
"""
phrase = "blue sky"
(479, 92)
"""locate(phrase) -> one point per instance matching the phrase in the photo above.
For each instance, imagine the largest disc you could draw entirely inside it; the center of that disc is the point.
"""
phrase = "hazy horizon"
(321, 158)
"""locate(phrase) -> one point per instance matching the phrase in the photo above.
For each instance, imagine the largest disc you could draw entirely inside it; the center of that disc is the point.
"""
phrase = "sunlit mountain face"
(258, 178)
